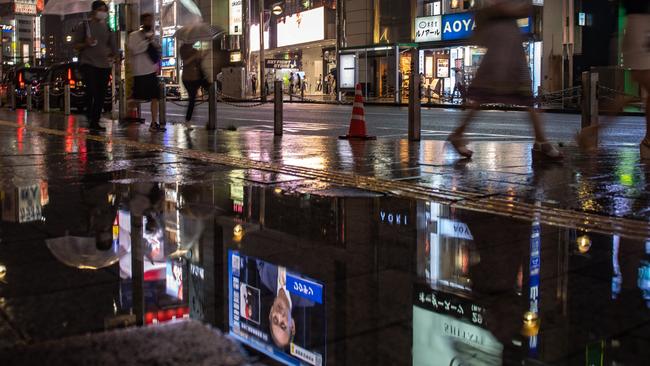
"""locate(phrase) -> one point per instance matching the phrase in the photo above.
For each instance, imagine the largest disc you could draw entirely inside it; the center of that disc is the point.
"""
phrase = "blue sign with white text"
(304, 288)
(461, 26)
(457, 26)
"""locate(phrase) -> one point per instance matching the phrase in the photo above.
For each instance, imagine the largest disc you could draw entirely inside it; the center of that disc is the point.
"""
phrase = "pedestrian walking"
(97, 48)
(636, 57)
(193, 78)
(144, 48)
(254, 83)
(503, 76)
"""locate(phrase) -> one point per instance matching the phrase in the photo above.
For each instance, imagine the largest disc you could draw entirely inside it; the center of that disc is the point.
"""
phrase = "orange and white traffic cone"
(358, 121)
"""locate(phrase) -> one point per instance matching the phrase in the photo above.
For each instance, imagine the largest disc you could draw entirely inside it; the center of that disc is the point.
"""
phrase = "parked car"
(23, 79)
(69, 73)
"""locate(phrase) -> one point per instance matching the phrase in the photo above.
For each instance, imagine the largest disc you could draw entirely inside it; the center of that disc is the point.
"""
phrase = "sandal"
(547, 151)
(587, 138)
(460, 145)
(644, 149)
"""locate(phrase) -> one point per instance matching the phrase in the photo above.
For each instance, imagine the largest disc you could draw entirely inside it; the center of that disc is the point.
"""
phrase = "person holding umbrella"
(193, 78)
(96, 46)
(145, 52)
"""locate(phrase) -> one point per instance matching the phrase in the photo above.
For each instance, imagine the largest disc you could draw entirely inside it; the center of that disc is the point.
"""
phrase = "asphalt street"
(391, 122)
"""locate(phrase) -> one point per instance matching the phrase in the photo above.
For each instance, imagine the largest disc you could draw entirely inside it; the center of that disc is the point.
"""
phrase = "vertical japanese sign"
(236, 17)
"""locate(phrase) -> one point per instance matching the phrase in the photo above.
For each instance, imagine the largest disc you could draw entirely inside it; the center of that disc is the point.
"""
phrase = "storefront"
(303, 45)
(449, 60)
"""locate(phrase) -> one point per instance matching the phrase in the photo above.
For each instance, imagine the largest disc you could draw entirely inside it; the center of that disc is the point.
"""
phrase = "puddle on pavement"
(340, 278)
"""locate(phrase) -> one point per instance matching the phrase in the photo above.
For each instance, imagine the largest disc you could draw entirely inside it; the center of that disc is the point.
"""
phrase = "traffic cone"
(358, 121)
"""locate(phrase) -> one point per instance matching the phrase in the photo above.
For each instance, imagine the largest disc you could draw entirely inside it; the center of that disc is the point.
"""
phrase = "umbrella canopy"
(198, 32)
(81, 252)
(68, 7)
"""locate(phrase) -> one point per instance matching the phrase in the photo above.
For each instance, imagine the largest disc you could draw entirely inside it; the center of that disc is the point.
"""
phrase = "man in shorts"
(143, 47)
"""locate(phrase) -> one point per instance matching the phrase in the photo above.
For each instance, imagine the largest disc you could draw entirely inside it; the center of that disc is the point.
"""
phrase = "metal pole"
(46, 99)
(162, 105)
(28, 98)
(66, 99)
(12, 97)
(589, 99)
(429, 96)
(277, 112)
(122, 102)
(415, 118)
(261, 69)
(398, 85)
(212, 107)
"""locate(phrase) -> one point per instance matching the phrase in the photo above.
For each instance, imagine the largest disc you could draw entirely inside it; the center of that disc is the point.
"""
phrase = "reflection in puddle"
(331, 279)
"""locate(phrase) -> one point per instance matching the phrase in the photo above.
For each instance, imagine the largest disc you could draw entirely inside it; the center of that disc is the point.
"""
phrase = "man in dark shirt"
(97, 47)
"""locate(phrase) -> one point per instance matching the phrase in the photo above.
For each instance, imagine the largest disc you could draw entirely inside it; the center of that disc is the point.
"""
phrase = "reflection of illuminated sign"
(454, 229)
(308, 26)
(25, 8)
(255, 286)
(236, 17)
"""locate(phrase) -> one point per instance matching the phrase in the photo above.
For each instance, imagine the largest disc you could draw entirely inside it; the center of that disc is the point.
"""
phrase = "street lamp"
(68, 38)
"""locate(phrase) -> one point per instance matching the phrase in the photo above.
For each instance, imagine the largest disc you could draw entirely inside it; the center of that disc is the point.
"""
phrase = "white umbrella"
(81, 252)
(198, 32)
(68, 7)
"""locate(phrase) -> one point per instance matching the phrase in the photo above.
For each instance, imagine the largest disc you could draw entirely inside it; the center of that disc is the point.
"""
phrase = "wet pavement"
(314, 250)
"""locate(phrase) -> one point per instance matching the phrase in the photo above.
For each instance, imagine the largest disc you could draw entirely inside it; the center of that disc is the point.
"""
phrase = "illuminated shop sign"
(25, 8)
(235, 17)
(347, 71)
(308, 26)
(428, 29)
(168, 62)
(281, 64)
(456, 26)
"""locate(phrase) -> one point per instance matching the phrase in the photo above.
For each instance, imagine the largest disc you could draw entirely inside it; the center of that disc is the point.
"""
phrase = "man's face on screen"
(282, 326)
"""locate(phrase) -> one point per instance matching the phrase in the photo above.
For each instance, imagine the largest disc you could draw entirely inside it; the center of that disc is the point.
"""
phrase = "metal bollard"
(589, 98)
(122, 101)
(415, 107)
(429, 96)
(12, 97)
(212, 107)
(278, 109)
(66, 99)
(46, 99)
(28, 99)
(162, 105)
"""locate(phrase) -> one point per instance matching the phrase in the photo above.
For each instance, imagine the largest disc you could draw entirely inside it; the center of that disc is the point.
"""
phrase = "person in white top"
(144, 49)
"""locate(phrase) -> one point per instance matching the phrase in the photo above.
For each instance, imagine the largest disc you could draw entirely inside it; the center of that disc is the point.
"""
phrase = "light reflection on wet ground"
(95, 236)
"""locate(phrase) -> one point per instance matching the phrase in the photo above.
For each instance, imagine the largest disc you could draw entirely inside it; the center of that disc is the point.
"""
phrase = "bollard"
(66, 99)
(415, 121)
(429, 96)
(278, 109)
(212, 107)
(12, 97)
(122, 101)
(162, 105)
(46, 99)
(28, 98)
(589, 99)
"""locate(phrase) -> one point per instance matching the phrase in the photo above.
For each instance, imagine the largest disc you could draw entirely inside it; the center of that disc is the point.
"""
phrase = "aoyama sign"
(304, 27)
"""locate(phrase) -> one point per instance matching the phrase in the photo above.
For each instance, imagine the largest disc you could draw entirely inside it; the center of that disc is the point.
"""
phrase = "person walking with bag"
(96, 45)
(193, 78)
(503, 76)
(145, 52)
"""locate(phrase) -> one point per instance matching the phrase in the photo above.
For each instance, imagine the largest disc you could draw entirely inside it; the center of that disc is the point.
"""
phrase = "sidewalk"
(605, 193)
